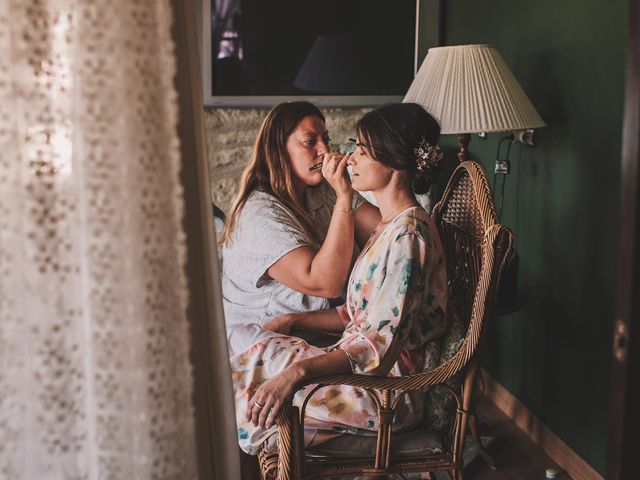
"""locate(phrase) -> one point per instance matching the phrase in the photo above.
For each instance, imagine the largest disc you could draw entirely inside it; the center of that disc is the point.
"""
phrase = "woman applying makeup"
(293, 231)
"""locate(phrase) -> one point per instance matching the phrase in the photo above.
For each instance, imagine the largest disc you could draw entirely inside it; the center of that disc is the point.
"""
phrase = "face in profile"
(367, 174)
(306, 145)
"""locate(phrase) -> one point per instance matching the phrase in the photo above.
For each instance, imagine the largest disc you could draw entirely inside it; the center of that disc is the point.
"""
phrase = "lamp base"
(463, 142)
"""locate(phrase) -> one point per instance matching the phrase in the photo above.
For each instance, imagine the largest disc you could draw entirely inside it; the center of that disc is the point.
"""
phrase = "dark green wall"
(562, 203)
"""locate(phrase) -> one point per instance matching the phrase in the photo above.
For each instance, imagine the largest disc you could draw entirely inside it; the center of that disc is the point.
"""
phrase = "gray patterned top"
(265, 232)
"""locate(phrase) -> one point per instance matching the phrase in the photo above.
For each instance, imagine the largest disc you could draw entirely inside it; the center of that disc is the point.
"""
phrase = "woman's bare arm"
(322, 320)
(308, 272)
(323, 273)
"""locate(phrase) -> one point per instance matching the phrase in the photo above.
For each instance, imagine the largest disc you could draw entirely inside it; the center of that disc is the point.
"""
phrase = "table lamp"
(469, 89)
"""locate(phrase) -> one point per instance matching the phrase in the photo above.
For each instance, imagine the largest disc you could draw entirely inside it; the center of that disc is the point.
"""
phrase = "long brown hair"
(270, 170)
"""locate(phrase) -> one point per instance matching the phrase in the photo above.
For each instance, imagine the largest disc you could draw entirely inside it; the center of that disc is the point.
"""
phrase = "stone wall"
(231, 132)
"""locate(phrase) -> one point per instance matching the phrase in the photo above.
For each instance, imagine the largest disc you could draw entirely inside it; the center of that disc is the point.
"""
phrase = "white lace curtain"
(95, 381)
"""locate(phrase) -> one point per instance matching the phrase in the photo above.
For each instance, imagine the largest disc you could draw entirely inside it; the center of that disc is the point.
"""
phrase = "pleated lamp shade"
(469, 89)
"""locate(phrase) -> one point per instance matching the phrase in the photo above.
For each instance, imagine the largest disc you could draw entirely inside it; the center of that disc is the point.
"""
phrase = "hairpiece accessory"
(427, 155)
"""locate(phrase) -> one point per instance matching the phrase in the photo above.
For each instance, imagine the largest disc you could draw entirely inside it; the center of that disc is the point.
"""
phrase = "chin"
(357, 186)
(314, 181)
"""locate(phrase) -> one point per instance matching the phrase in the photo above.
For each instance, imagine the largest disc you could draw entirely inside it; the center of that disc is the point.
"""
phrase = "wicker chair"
(476, 248)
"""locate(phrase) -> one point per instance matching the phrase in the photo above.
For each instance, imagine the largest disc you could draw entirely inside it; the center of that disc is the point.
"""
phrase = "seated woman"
(396, 297)
(288, 242)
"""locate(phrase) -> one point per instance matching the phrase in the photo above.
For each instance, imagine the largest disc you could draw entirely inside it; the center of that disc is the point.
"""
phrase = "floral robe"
(396, 302)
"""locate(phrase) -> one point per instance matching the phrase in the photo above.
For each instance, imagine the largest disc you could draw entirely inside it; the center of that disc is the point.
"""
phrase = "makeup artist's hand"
(334, 169)
(265, 404)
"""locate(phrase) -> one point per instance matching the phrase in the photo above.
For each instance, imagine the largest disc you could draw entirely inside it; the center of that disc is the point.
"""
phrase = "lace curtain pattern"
(95, 381)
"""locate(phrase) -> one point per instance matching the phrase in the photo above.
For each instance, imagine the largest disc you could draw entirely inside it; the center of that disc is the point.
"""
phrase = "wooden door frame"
(625, 398)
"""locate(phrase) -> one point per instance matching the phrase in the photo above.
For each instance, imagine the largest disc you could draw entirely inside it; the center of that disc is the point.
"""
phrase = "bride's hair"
(403, 136)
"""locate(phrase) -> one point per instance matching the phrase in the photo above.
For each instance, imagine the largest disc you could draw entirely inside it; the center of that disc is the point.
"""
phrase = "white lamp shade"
(469, 89)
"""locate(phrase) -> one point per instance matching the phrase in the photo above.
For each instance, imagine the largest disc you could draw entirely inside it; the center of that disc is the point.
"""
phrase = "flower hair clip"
(427, 155)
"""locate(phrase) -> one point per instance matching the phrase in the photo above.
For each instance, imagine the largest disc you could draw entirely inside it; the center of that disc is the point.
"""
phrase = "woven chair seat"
(419, 441)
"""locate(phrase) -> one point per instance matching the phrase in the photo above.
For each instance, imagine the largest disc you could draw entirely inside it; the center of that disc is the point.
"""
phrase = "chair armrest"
(419, 381)
(409, 382)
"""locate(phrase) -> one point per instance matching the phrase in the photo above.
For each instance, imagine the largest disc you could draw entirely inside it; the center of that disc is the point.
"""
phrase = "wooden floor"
(517, 457)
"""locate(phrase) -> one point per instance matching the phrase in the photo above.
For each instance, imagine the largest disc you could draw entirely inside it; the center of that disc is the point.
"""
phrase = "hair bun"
(422, 182)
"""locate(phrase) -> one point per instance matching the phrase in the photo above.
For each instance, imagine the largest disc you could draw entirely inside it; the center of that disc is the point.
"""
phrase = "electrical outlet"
(524, 136)
(503, 167)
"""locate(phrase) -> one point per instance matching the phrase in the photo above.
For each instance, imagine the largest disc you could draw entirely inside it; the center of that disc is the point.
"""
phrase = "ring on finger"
(259, 405)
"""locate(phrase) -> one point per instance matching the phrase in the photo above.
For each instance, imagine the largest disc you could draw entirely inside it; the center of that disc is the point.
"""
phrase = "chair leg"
(286, 446)
(473, 428)
(463, 416)
(298, 440)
